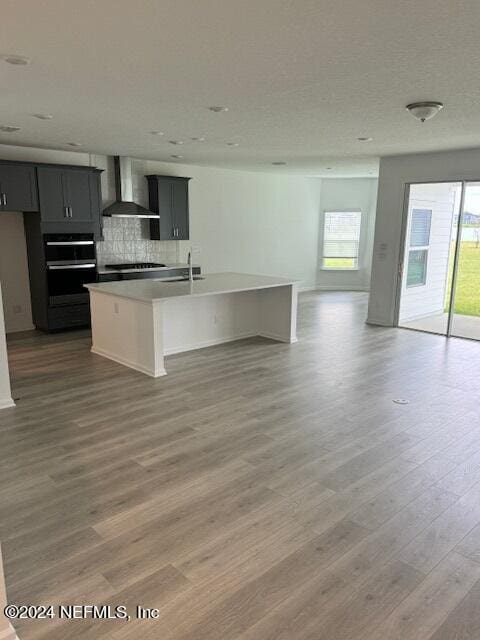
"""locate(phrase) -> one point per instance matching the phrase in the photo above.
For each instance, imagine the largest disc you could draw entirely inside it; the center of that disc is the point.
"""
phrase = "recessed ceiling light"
(329, 168)
(279, 163)
(12, 58)
(74, 144)
(7, 128)
(157, 133)
(198, 139)
(176, 141)
(43, 116)
(364, 139)
(233, 144)
(218, 109)
(176, 156)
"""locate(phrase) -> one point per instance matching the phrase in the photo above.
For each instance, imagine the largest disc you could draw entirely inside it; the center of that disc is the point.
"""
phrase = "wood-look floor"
(260, 491)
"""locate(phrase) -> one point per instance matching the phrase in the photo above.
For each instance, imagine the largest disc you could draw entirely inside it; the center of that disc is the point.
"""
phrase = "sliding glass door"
(439, 285)
(428, 261)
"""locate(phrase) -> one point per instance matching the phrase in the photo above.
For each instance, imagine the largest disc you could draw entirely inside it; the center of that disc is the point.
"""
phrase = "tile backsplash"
(128, 240)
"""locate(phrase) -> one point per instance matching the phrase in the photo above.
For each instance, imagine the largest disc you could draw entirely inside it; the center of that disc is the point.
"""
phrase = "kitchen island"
(139, 322)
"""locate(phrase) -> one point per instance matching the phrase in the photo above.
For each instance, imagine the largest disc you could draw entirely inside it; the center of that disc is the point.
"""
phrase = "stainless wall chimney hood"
(124, 207)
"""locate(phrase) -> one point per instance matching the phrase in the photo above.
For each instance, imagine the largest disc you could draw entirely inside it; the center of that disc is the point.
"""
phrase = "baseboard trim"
(30, 327)
(216, 341)
(327, 287)
(378, 323)
(278, 338)
(170, 351)
(6, 403)
(187, 347)
(129, 363)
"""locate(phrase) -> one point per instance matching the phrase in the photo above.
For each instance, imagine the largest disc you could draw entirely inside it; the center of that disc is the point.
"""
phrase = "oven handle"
(52, 267)
(70, 244)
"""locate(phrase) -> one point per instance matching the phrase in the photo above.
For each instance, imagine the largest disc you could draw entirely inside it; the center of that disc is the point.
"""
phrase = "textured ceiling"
(302, 79)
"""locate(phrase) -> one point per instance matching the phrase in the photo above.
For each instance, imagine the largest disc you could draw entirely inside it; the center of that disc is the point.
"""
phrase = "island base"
(140, 334)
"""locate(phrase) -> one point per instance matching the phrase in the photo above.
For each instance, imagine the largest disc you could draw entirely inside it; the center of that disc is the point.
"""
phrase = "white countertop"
(152, 290)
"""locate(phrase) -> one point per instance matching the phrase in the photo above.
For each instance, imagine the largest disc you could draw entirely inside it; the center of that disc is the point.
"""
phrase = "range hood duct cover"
(124, 207)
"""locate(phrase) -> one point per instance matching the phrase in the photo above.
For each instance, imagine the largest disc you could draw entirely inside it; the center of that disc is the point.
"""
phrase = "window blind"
(341, 236)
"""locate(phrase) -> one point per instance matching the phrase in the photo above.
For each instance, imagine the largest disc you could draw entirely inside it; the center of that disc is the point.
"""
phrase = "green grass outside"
(338, 263)
(467, 298)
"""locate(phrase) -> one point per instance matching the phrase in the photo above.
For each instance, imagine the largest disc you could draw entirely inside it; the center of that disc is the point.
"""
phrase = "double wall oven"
(71, 263)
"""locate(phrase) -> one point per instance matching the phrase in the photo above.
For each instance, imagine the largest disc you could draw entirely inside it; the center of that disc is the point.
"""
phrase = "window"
(420, 229)
(341, 239)
(421, 222)
(417, 268)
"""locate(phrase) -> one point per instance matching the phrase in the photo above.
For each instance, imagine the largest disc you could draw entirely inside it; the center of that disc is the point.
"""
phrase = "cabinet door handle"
(71, 211)
(5, 199)
(65, 214)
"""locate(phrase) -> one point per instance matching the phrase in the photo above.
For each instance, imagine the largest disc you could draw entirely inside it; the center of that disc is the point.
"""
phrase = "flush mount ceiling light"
(233, 144)
(176, 141)
(328, 168)
(12, 58)
(218, 109)
(279, 163)
(7, 128)
(43, 116)
(176, 156)
(157, 133)
(424, 110)
(74, 144)
(198, 139)
(364, 139)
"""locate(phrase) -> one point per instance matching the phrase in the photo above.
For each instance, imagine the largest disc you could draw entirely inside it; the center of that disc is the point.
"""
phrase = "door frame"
(456, 260)
(403, 251)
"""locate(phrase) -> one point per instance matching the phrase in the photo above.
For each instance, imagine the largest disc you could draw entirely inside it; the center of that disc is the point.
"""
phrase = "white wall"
(244, 221)
(5, 393)
(343, 195)
(395, 173)
(420, 301)
(14, 273)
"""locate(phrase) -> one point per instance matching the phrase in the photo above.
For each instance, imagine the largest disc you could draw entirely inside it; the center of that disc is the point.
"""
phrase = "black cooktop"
(134, 265)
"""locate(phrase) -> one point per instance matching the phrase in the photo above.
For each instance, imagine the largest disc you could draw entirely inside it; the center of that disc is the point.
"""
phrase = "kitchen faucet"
(190, 266)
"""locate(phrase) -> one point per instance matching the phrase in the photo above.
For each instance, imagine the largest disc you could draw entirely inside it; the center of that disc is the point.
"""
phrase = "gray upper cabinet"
(52, 195)
(180, 209)
(68, 195)
(168, 196)
(77, 190)
(18, 189)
